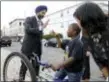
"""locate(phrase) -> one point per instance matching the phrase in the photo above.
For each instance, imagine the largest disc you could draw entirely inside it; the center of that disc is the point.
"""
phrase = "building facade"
(60, 20)
(16, 27)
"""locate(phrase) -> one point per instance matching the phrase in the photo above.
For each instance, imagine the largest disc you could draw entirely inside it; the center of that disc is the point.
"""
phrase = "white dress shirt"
(39, 23)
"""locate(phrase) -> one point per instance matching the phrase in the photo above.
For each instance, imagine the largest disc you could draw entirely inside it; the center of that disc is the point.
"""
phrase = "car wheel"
(56, 45)
(9, 44)
(6, 45)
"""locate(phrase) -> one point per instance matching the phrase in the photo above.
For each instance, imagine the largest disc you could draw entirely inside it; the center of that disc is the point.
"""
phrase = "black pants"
(23, 68)
(86, 74)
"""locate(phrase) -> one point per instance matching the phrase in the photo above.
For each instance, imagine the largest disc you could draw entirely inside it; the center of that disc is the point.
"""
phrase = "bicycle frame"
(49, 73)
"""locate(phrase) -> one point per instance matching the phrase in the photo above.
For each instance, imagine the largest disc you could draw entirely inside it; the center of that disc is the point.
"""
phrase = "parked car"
(5, 41)
(51, 42)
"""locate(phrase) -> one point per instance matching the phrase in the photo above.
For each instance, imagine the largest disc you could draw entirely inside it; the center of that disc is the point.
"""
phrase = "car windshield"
(53, 40)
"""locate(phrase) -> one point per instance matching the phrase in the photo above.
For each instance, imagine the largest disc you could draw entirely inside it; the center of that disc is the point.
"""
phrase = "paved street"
(51, 54)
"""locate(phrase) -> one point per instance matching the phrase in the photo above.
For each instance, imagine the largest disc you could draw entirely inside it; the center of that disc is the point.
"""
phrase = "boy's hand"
(53, 33)
(56, 66)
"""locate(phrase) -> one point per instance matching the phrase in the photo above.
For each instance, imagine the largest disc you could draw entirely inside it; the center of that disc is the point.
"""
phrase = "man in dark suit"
(32, 39)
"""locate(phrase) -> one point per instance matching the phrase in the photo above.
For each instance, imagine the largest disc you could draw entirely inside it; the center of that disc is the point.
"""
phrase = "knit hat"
(40, 8)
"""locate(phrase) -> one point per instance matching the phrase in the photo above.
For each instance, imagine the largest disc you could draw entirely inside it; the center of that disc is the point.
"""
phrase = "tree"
(49, 36)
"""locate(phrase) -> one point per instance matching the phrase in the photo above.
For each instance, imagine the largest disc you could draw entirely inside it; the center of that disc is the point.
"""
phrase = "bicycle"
(27, 62)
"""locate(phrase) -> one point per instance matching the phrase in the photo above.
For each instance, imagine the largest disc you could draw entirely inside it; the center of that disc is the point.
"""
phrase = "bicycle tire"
(25, 60)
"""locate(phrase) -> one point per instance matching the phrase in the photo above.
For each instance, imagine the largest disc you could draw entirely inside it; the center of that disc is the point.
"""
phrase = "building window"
(20, 23)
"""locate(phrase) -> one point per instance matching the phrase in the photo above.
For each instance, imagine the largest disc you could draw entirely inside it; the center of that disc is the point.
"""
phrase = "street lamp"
(4, 30)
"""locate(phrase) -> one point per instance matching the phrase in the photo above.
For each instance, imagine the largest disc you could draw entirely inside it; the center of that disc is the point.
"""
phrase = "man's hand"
(46, 23)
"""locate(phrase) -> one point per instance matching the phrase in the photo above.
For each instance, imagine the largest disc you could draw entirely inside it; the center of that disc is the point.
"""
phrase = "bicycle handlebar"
(42, 63)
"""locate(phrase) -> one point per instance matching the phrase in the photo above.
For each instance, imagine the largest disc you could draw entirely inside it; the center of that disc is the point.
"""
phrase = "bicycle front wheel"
(11, 77)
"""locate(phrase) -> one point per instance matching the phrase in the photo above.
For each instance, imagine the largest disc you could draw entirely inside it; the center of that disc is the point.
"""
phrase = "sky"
(11, 10)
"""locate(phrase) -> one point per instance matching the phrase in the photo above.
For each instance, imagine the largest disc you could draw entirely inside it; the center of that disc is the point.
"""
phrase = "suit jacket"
(32, 38)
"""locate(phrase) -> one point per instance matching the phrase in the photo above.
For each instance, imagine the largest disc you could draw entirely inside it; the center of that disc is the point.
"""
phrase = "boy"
(73, 67)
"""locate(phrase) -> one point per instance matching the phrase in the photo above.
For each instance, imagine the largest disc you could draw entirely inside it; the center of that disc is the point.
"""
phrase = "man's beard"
(40, 16)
